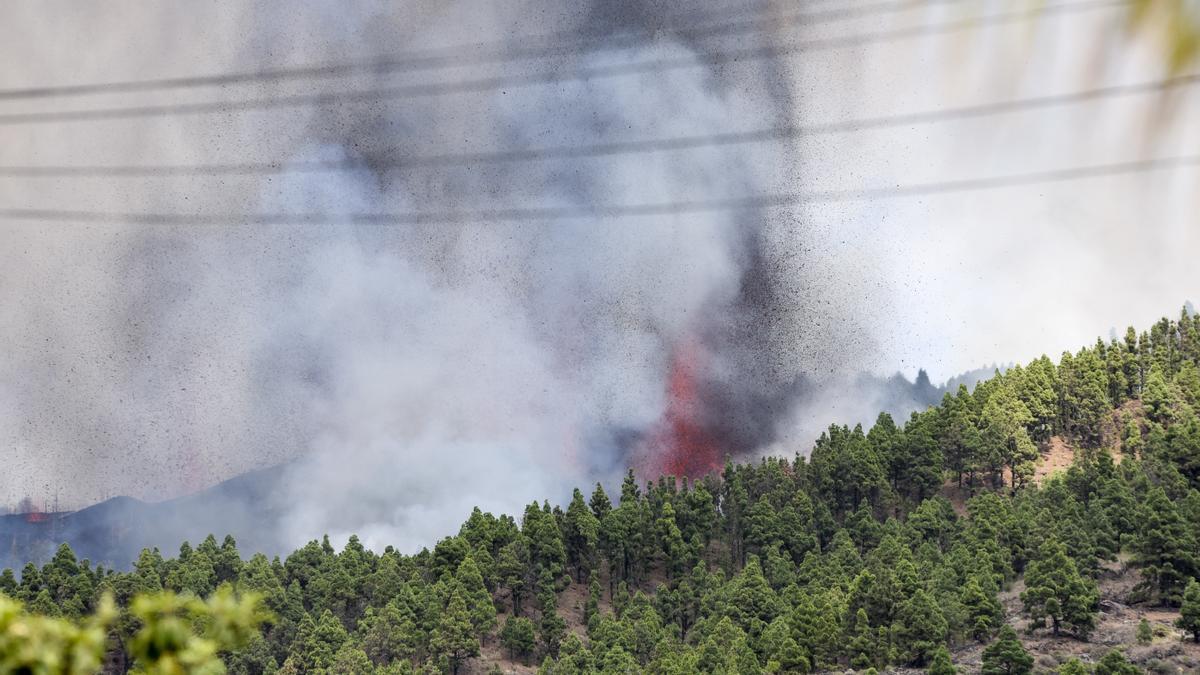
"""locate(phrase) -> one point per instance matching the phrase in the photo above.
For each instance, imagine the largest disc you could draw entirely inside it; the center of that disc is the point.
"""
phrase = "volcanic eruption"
(681, 443)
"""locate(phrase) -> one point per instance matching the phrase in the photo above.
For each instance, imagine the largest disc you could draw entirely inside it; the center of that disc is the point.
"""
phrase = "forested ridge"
(893, 547)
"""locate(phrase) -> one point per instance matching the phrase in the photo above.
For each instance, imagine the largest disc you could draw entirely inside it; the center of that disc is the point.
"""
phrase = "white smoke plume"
(408, 373)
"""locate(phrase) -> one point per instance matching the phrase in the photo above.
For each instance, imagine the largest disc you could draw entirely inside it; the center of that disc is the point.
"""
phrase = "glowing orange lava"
(681, 444)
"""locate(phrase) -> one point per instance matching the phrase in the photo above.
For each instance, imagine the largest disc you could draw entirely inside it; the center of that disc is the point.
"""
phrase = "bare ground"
(1170, 652)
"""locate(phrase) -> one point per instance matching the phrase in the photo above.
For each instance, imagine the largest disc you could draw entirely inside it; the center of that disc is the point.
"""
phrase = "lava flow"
(682, 443)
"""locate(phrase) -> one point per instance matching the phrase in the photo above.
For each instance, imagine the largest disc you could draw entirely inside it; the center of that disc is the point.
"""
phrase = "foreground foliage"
(173, 634)
(853, 557)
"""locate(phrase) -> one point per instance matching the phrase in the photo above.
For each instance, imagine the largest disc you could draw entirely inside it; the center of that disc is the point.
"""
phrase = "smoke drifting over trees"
(407, 369)
(407, 373)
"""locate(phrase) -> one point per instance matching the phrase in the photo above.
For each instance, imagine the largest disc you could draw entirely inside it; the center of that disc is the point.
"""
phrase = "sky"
(153, 360)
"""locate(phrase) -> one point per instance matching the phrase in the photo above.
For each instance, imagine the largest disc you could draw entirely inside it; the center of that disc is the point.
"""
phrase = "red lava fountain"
(681, 444)
(29, 512)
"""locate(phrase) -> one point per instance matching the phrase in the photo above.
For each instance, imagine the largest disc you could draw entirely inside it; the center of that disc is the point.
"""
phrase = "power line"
(529, 47)
(501, 82)
(753, 202)
(614, 147)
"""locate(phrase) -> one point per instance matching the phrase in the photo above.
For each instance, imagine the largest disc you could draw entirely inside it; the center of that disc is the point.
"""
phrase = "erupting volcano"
(682, 443)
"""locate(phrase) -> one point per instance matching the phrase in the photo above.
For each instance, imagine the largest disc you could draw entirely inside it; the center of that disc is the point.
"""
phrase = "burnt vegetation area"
(935, 543)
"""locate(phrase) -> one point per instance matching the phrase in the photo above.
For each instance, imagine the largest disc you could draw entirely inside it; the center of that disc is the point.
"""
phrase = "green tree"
(1189, 612)
(592, 606)
(863, 645)
(551, 627)
(512, 566)
(600, 503)
(351, 660)
(1145, 634)
(1165, 549)
(919, 628)
(477, 597)
(780, 650)
(983, 612)
(1114, 663)
(940, 664)
(726, 650)
(619, 662)
(175, 635)
(675, 551)
(517, 637)
(1157, 395)
(389, 634)
(1074, 667)
(1055, 590)
(33, 643)
(1084, 394)
(317, 642)
(582, 532)
(958, 434)
(1006, 656)
(1004, 439)
(455, 638)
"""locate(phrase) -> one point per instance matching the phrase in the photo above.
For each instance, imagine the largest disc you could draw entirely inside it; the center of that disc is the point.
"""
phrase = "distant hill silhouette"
(250, 506)
(114, 531)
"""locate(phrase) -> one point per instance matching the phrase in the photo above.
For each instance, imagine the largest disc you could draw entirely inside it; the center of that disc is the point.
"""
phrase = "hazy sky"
(1012, 273)
(192, 354)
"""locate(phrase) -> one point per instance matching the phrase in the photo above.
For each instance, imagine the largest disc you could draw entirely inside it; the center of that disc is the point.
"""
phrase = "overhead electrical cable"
(613, 148)
(534, 214)
(502, 82)
(559, 43)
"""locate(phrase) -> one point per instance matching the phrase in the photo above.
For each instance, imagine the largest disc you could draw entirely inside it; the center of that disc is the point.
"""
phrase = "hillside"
(1078, 515)
(250, 506)
(113, 532)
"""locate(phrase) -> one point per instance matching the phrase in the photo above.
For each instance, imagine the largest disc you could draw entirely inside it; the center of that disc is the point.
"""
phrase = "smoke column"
(406, 374)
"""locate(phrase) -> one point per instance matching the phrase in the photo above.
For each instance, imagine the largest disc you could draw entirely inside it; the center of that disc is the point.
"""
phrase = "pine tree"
(983, 611)
(1189, 612)
(1074, 667)
(780, 650)
(619, 662)
(675, 551)
(919, 628)
(1157, 395)
(518, 637)
(863, 648)
(940, 664)
(1055, 590)
(582, 532)
(389, 634)
(512, 568)
(1006, 656)
(1004, 439)
(1084, 395)
(455, 638)
(1166, 548)
(599, 503)
(1145, 634)
(551, 627)
(592, 606)
(477, 597)
(726, 650)
(1114, 663)
(350, 660)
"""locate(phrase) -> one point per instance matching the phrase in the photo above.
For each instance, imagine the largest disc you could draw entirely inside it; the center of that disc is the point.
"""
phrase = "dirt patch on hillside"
(1057, 456)
(1116, 628)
